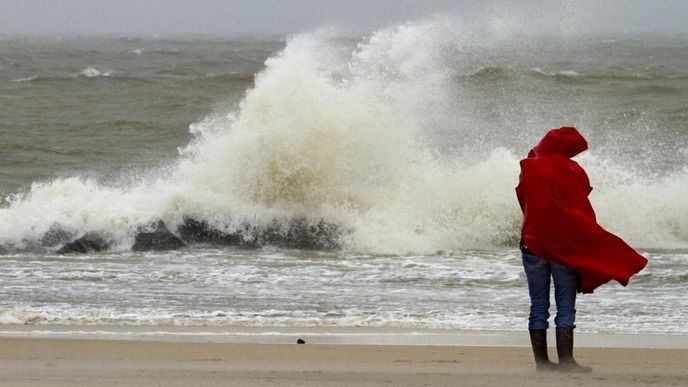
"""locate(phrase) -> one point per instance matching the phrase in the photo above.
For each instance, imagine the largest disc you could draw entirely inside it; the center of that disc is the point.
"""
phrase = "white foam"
(26, 79)
(568, 73)
(646, 210)
(562, 73)
(92, 72)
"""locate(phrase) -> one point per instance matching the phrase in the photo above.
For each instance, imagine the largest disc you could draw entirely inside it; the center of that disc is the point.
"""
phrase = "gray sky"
(275, 17)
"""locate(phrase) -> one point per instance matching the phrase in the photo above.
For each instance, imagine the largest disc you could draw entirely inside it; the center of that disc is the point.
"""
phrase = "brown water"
(408, 141)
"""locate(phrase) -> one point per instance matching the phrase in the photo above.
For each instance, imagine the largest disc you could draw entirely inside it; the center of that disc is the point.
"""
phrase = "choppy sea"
(407, 139)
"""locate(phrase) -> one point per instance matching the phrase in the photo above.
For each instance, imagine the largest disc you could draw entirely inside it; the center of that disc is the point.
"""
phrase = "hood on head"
(566, 141)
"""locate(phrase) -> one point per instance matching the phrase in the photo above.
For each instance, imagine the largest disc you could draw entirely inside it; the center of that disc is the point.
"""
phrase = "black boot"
(565, 351)
(538, 340)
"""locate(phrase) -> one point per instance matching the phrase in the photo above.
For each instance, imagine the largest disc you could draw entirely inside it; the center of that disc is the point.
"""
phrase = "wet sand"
(92, 362)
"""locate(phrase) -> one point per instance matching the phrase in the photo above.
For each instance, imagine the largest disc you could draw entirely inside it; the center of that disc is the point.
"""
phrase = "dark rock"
(300, 341)
(194, 231)
(301, 233)
(90, 242)
(57, 235)
(156, 237)
(3, 250)
(296, 233)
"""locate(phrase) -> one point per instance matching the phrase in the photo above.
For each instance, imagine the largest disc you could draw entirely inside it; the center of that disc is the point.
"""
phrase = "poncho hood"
(566, 141)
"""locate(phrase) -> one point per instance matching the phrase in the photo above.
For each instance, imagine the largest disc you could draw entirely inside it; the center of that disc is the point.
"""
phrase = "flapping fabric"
(558, 220)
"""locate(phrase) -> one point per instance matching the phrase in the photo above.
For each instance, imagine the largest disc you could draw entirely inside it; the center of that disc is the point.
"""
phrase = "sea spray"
(347, 133)
(647, 210)
(347, 143)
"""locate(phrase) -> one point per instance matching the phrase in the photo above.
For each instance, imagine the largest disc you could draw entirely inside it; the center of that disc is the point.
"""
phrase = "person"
(561, 241)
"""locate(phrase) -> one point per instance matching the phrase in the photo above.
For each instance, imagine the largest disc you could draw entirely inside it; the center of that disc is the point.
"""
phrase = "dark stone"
(300, 341)
(3, 250)
(156, 237)
(296, 233)
(57, 235)
(90, 242)
(301, 233)
(194, 231)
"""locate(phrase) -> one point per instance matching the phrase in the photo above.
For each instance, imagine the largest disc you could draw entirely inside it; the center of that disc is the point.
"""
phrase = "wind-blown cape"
(558, 220)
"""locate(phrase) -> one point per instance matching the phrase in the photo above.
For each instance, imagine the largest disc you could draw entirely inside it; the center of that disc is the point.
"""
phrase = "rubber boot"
(538, 340)
(565, 351)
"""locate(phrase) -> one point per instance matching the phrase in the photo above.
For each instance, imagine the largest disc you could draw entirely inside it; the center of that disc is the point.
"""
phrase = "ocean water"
(407, 139)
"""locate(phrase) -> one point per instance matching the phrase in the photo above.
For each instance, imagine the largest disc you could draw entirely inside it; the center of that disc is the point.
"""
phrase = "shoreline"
(327, 335)
(87, 362)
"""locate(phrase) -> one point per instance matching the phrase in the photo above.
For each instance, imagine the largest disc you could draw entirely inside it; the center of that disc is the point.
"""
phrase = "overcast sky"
(280, 17)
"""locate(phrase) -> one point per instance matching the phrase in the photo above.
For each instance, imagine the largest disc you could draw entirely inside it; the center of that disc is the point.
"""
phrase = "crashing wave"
(334, 134)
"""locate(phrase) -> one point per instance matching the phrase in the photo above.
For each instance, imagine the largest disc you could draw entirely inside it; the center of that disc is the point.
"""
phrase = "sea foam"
(92, 72)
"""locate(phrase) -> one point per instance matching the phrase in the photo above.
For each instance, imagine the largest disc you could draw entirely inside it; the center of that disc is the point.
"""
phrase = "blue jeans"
(539, 271)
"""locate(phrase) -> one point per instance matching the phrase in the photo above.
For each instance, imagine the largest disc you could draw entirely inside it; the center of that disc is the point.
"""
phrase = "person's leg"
(538, 275)
(565, 280)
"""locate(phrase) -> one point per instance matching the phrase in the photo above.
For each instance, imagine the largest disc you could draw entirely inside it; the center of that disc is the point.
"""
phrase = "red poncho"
(558, 221)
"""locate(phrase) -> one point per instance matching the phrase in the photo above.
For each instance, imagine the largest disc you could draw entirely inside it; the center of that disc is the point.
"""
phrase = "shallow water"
(210, 287)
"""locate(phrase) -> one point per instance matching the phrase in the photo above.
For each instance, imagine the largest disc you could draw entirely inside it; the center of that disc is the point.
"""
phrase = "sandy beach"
(92, 362)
